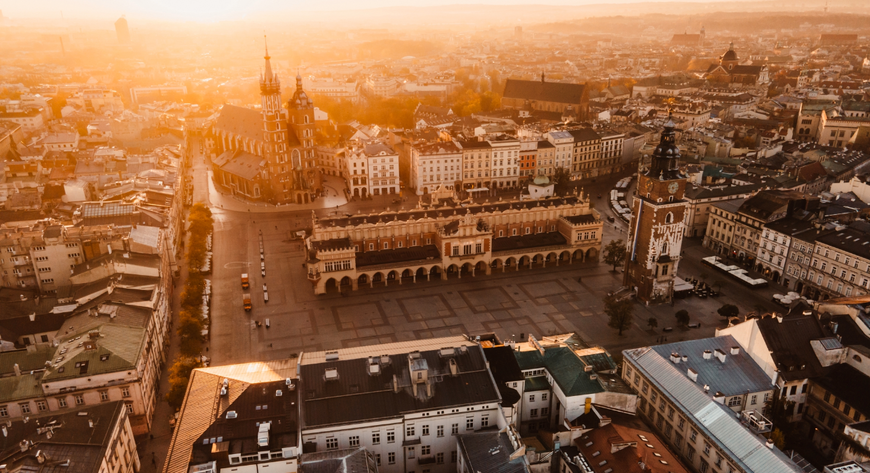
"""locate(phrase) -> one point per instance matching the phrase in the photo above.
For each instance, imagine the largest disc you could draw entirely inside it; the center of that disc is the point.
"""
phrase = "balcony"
(426, 459)
(756, 422)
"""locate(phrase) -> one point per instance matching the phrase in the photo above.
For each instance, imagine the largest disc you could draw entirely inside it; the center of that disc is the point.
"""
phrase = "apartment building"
(587, 152)
(476, 163)
(382, 86)
(335, 89)
(840, 264)
(696, 422)
(505, 161)
(563, 156)
(263, 397)
(529, 159)
(404, 402)
(563, 376)
(720, 227)
(545, 160)
(104, 339)
(382, 168)
(775, 245)
(95, 439)
(701, 201)
(800, 256)
(437, 165)
(612, 142)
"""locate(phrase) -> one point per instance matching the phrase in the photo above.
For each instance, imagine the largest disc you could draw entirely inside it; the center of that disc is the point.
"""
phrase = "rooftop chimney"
(17, 369)
(735, 350)
(720, 355)
(708, 354)
(693, 375)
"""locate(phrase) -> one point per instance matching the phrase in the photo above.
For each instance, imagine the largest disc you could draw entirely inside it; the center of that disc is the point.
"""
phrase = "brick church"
(267, 154)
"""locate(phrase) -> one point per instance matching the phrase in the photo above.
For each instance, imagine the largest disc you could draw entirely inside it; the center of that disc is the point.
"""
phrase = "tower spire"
(269, 83)
(268, 73)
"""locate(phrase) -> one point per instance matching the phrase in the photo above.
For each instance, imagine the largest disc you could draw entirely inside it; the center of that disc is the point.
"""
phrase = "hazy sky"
(218, 10)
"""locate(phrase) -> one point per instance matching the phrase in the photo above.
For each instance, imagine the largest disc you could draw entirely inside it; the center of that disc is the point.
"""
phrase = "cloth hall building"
(415, 246)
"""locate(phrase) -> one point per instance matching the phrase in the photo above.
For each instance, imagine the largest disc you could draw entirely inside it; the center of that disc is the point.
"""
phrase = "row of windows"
(62, 402)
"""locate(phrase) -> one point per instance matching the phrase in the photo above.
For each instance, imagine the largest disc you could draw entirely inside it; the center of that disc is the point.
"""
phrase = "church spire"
(269, 83)
(267, 58)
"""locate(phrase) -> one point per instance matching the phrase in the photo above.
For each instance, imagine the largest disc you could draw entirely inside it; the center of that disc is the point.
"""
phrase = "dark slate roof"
(853, 240)
(357, 396)
(790, 226)
(584, 134)
(258, 403)
(696, 192)
(580, 219)
(544, 91)
(397, 255)
(789, 343)
(848, 384)
(416, 214)
(75, 439)
(490, 452)
(528, 241)
(504, 368)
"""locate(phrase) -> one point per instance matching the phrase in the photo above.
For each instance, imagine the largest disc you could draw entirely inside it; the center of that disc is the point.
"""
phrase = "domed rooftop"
(542, 180)
(730, 55)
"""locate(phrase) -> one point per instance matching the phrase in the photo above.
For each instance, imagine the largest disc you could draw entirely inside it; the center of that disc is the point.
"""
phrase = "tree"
(682, 317)
(190, 332)
(728, 311)
(614, 253)
(179, 376)
(561, 180)
(652, 322)
(778, 439)
(619, 311)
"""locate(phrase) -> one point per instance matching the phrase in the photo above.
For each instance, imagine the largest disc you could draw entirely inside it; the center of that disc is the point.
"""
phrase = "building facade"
(402, 247)
(656, 229)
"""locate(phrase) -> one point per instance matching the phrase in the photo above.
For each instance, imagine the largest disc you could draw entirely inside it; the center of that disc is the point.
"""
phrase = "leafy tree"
(190, 333)
(561, 179)
(728, 311)
(682, 317)
(778, 439)
(652, 322)
(614, 253)
(179, 377)
(619, 312)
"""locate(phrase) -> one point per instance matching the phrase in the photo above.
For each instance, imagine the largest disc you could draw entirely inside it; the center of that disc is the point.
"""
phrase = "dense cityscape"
(230, 245)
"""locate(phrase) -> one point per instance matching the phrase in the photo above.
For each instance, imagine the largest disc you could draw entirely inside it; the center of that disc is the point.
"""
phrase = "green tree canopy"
(614, 253)
(619, 312)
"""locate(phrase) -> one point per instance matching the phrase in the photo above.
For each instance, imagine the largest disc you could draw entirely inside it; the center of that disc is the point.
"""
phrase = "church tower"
(300, 110)
(656, 229)
(274, 133)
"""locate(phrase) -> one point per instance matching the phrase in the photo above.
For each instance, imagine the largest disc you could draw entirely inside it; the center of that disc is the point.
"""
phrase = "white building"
(435, 165)
(563, 141)
(404, 402)
(505, 161)
(335, 89)
(382, 166)
(382, 86)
